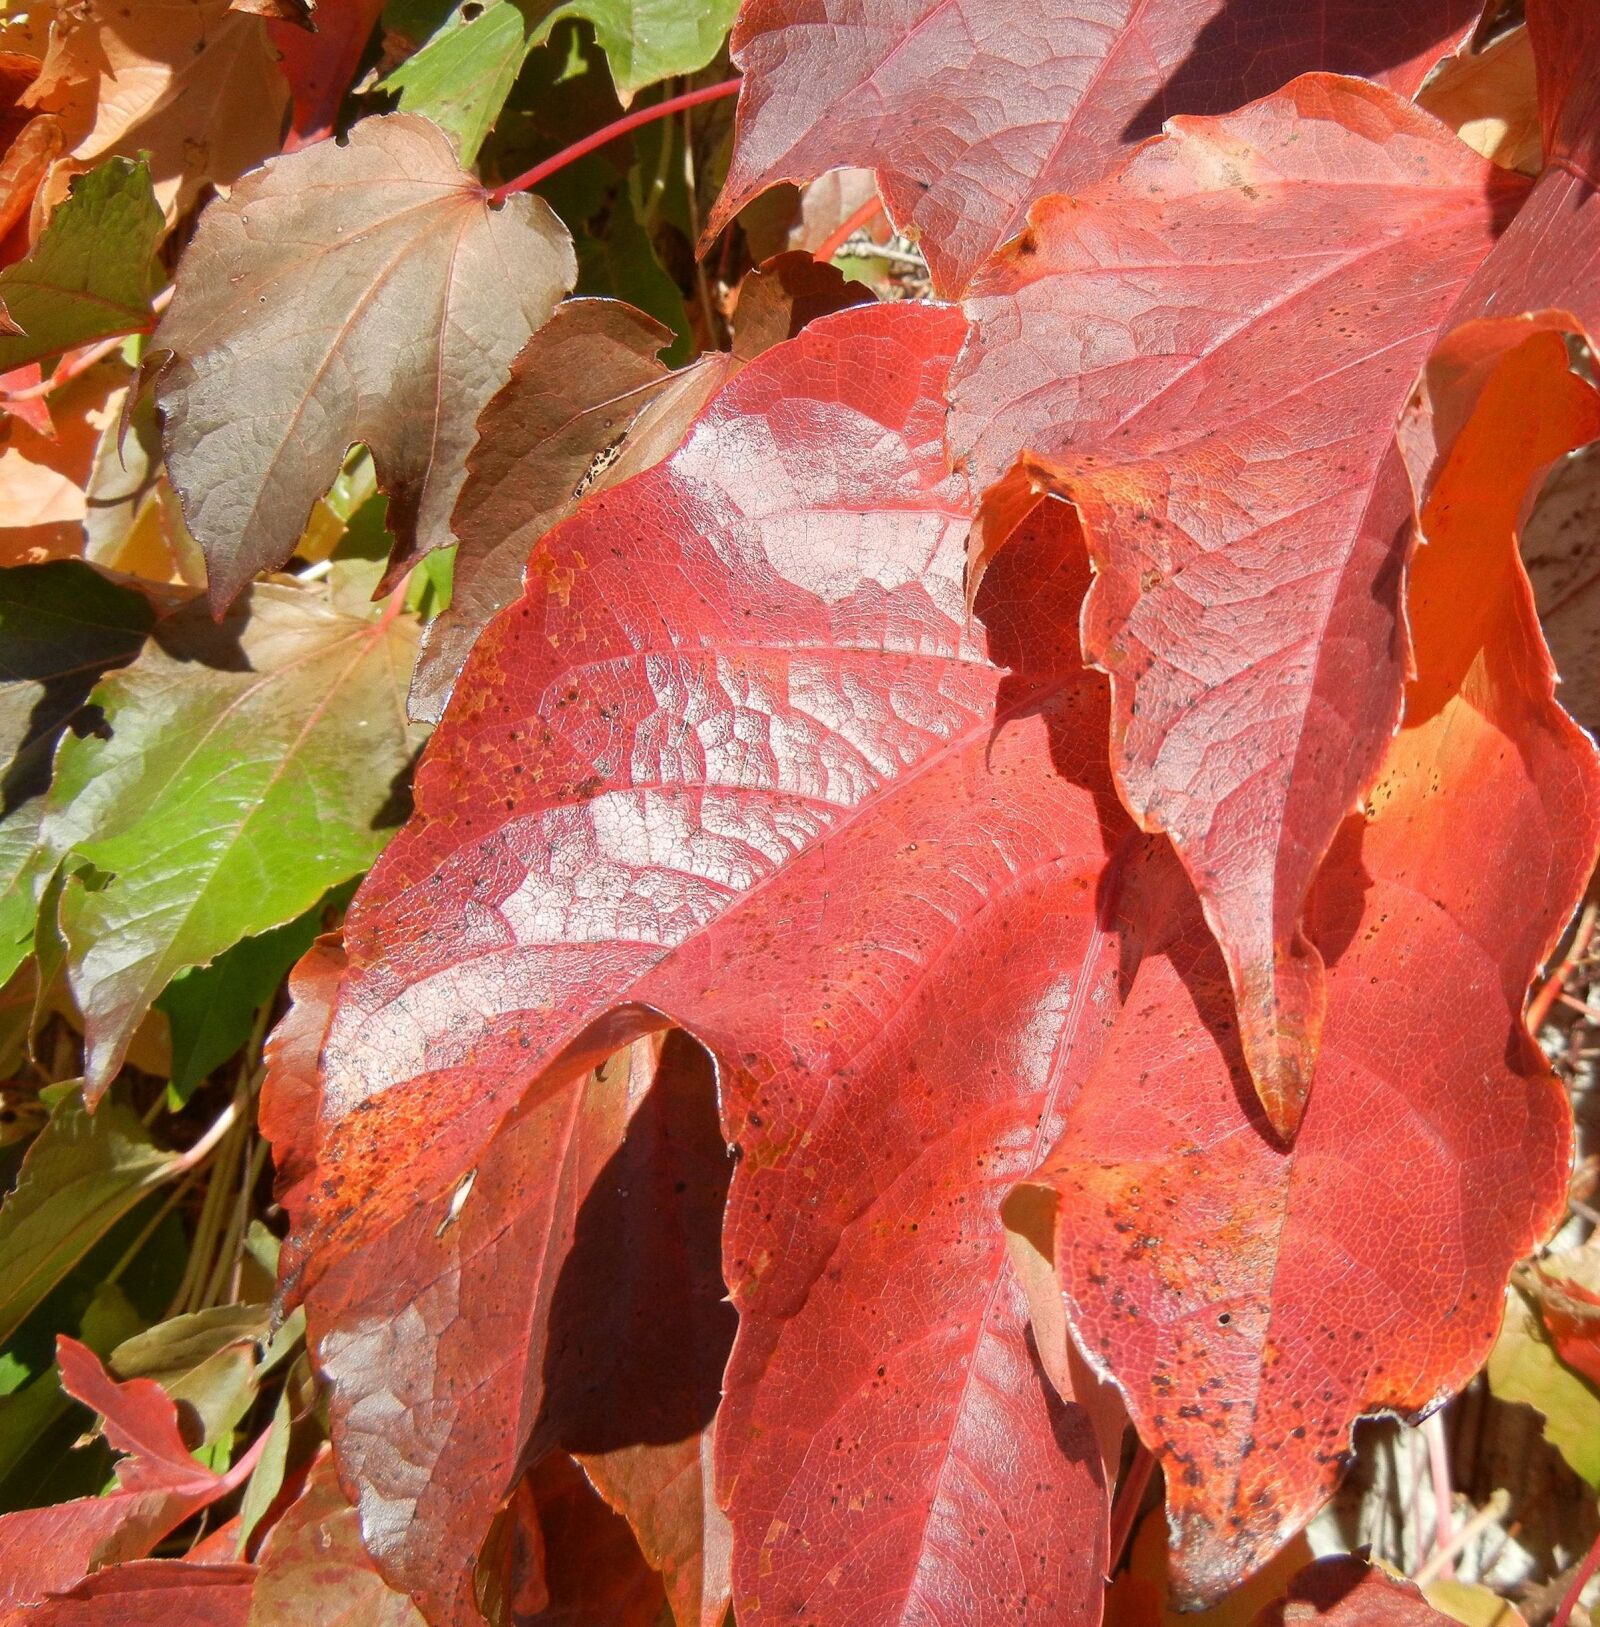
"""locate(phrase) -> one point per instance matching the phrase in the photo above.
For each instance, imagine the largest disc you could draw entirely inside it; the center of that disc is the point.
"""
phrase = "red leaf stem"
(610, 132)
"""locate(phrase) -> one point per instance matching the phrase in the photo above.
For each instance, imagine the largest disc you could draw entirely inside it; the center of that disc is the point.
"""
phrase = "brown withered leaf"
(780, 297)
(358, 292)
(192, 82)
(575, 400)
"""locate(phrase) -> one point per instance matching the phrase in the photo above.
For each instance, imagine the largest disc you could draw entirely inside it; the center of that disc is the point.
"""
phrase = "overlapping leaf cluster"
(986, 830)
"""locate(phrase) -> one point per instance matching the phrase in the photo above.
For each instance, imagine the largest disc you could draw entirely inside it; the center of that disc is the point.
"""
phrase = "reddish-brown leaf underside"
(970, 111)
(738, 760)
(357, 291)
(1341, 1591)
(1208, 354)
(1251, 1301)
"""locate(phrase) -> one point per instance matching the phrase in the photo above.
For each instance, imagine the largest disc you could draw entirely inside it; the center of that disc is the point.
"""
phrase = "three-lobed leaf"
(736, 760)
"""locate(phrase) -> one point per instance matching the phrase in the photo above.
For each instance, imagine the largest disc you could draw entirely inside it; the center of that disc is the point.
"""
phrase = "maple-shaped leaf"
(740, 761)
(242, 769)
(1343, 1591)
(971, 109)
(577, 396)
(160, 1593)
(1250, 1299)
(1208, 354)
(191, 83)
(363, 292)
(159, 1485)
(92, 273)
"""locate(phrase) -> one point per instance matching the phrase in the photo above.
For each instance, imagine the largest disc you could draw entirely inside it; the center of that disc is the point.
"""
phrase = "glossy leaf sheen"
(563, 416)
(362, 291)
(732, 683)
(970, 111)
(1208, 354)
(1250, 1300)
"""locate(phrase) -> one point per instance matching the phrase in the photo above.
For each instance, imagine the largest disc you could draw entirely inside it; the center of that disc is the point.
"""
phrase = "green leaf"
(1523, 1366)
(461, 78)
(212, 1009)
(93, 271)
(246, 767)
(207, 1359)
(463, 75)
(61, 626)
(650, 40)
(82, 1174)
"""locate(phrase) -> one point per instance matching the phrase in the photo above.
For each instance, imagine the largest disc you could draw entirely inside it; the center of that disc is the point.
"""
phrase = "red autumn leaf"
(738, 760)
(1251, 1300)
(313, 1572)
(970, 111)
(1570, 1312)
(1549, 256)
(156, 1593)
(594, 1571)
(1208, 354)
(319, 63)
(159, 1485)
(1343, 1592)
